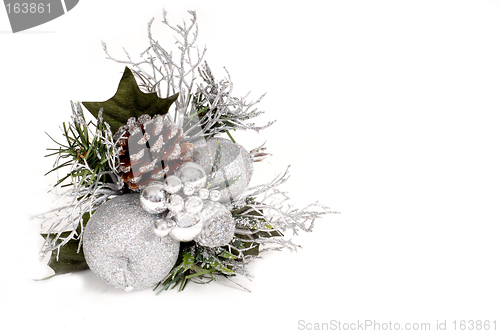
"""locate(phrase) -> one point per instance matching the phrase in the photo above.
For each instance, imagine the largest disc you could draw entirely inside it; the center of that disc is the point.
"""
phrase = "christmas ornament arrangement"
(155, 190)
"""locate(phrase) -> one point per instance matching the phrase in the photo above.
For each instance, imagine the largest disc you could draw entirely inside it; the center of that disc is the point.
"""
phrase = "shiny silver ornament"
(193, 174)
(189, 189)
(193, 204)
(161, 227)
(173, 184)
(185, 219)
(204, 193)
(205, 213)
(218, 229)
(175, 203)
(121, 247)
(187, 227)
(154, 198)
(235, 166)
(215, 195)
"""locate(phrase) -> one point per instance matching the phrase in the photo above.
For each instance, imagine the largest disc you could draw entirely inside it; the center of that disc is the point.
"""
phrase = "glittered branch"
(157, 68)
(204, 108)
(89, 185)
(268, 211)
(221, 111)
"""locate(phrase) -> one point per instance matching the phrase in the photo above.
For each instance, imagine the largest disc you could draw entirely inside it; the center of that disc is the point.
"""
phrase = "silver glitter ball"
(193, 174)
(188, 226)
(154, 198)
(121, 247)
(235, 166)
(218, 229)
(173, 184)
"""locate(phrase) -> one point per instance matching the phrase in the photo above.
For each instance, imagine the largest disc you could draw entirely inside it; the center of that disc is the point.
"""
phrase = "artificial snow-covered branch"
(211, 109)
(95, 157)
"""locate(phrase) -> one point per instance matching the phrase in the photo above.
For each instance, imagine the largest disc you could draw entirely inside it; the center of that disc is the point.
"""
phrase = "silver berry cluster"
(188, 202)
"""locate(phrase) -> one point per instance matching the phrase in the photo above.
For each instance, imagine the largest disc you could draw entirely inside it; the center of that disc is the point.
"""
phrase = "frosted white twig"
(269, 212)
(223, 111)
(157, 71)
(205, 108)
(84, 195)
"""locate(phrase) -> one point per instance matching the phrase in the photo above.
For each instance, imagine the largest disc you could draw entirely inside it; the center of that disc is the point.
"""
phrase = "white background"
(388, 111)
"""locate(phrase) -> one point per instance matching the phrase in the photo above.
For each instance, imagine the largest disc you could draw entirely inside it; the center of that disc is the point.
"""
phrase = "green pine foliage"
(199, 264)
(84, 156)
(83, 152)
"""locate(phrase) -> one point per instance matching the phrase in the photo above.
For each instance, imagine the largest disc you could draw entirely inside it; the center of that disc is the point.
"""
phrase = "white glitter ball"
(121, 247)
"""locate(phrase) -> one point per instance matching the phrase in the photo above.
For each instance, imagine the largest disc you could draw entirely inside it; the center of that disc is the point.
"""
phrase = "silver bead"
(188, 226)
(184, 219)
(205, 213)
(193, 204)
(215, 195)
(121, 248)
(173, 184)
(193, 173)
(204, 193)
(161, 227)
(154, 198)
(175, 203)
(189, 189)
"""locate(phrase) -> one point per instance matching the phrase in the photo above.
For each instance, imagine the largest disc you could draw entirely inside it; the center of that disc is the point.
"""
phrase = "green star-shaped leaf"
(129, 101)
(67, 259)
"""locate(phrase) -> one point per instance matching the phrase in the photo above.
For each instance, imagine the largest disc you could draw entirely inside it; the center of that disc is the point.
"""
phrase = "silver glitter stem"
(157, 71)
(83, 196)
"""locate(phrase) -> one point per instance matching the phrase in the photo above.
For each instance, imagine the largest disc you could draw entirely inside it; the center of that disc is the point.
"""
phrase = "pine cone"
(150, 150)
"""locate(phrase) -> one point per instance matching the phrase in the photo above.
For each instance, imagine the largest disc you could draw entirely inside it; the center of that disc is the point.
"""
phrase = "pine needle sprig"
(91, 154)
(202, 265)
(85, 153)
(198, 264)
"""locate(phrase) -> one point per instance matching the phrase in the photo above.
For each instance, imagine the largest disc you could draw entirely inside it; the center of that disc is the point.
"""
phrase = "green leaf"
(129, 101)
(253, 247)
(69, 259)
